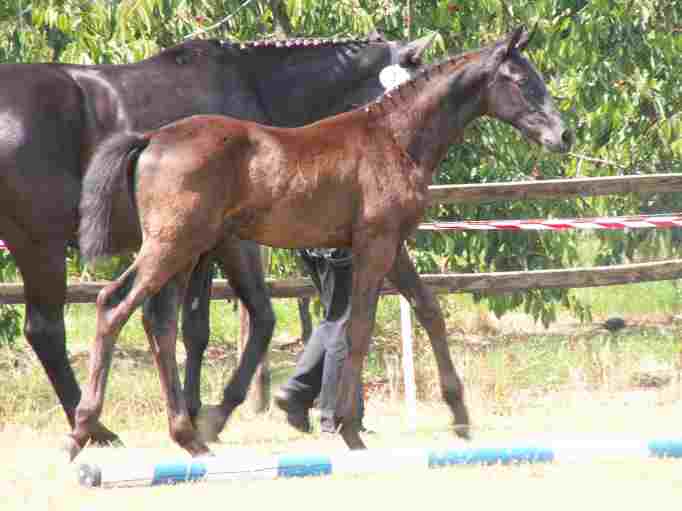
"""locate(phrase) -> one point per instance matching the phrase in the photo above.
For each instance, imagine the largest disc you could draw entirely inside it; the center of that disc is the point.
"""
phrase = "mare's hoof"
(297, 414)
(209, 422)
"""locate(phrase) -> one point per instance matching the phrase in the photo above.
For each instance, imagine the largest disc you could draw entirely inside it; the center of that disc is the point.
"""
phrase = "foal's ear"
(503, 50)
(411, 55)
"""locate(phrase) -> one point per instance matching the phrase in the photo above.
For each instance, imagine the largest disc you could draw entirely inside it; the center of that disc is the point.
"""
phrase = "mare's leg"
(371, 262)
(195, 329)
(43, 271)
(241, 262)
(405, 277)
(160, 318)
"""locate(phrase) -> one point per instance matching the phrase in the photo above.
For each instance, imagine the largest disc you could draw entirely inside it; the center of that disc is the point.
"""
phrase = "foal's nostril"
(567, 138)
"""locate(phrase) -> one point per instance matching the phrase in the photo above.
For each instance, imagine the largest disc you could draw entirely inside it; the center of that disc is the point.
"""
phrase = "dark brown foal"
(356, 180)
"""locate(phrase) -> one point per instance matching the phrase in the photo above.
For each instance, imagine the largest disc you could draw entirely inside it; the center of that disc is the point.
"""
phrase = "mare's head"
(401, 63)
(517, 94)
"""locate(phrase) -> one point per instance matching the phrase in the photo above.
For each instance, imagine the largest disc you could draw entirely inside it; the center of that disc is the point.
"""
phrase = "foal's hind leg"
(115, 303)
(160, 318)
(405, 277)
(152, 269)
(241, 262)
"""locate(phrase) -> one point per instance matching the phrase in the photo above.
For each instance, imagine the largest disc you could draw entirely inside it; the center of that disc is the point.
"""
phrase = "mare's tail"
(108, 171)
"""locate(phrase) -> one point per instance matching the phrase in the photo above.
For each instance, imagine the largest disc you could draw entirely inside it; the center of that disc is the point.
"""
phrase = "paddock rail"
(496, 282)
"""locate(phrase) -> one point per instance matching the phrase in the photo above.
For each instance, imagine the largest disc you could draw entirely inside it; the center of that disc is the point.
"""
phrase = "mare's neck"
(299, 86)
(430, 113)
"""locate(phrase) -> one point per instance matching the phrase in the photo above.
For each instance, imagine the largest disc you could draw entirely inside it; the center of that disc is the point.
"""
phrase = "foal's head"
(517, 94)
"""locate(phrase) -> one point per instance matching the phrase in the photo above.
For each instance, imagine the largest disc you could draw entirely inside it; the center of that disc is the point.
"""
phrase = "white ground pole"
(240, 466)
(408, 364)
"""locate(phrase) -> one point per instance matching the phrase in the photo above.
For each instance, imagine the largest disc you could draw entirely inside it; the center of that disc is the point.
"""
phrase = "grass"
(522, 382)
(645, 298)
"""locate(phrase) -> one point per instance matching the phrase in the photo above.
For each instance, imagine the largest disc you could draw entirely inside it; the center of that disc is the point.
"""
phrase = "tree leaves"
(614, 68)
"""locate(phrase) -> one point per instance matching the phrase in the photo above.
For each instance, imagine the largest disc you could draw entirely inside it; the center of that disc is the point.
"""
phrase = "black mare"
(53, 116)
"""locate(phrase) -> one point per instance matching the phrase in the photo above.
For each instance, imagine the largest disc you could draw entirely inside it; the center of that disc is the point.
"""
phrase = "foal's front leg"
(371, 262)
(405, 277)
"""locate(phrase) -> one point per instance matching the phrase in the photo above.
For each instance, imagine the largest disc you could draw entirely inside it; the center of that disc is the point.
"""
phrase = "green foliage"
(10, 317)
(613, 67)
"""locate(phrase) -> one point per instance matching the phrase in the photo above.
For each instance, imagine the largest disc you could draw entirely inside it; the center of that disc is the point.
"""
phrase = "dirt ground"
(38, 477)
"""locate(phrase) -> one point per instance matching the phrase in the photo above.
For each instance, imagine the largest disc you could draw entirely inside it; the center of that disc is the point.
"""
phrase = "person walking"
(318, 369)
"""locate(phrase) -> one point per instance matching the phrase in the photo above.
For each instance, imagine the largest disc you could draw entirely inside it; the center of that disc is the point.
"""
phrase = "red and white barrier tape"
(613, 223)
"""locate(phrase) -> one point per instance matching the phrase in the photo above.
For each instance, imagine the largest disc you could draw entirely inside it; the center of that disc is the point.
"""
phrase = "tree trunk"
(281, 23)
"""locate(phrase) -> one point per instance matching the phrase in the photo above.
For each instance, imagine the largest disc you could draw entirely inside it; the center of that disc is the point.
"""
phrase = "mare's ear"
(517, 35)
(503, 50)
(376, 36)
(411, 55)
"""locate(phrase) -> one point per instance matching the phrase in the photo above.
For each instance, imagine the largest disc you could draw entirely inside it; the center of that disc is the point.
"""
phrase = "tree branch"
(280, 19)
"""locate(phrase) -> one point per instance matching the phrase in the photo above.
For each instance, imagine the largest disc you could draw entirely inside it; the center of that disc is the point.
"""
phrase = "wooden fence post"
(408, 364)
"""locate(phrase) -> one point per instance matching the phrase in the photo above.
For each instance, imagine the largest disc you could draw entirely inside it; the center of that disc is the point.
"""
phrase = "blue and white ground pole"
(240, 466)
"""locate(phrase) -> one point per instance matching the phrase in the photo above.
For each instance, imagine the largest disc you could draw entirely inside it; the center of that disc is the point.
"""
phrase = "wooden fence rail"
(499, 282)
(486, 283)
(565, 188)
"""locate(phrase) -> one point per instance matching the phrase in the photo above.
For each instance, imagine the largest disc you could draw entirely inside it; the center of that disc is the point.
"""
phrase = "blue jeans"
(318, 369)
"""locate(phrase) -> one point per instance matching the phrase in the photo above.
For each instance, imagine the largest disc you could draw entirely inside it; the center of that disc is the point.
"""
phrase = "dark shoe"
(327, 425)
(297, 413)
(366, 431)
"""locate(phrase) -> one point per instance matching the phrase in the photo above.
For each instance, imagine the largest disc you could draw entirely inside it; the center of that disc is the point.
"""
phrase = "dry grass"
(522, 383)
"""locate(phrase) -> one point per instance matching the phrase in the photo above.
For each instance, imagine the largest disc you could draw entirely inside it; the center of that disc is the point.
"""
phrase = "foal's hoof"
(463, 431)
(103, 437)
(71, 448)
(209, 422)
(199, 449)
(351, 436)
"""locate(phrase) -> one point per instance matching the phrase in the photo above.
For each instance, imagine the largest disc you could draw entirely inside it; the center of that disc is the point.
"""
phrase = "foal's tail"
(109, 170)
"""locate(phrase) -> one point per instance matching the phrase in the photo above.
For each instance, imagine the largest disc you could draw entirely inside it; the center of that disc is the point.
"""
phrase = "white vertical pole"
(408, 364)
